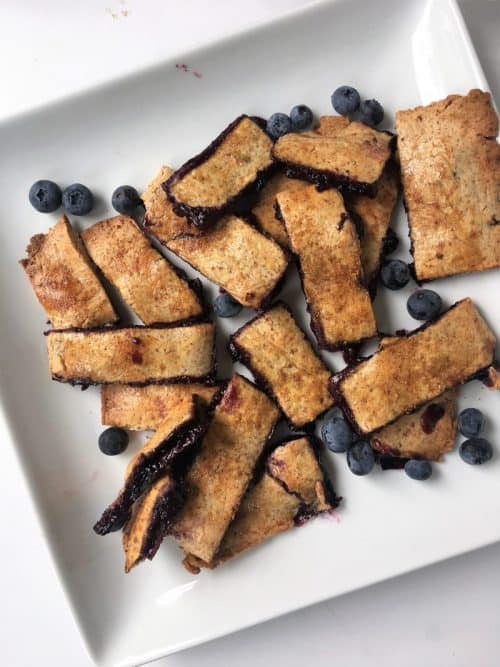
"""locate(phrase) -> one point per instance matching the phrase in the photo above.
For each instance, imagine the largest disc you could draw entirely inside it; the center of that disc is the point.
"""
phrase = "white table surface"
(447, 615)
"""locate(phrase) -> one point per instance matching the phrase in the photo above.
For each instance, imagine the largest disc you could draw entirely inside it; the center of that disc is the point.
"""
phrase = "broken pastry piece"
(350, 154)
(216, 181)
(160, 219)
(283, 361)
(292, 489)
(137, 355)
(416, 368)
(179, 432)
(145, 279)
(327, 247)
(265, 209)
(450, 167)
(64, 280)
(151, 520)
(241, 425)
(145, 408)
(236, 256)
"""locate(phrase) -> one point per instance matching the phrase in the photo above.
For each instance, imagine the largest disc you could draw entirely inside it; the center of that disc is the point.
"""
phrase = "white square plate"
(402, 54)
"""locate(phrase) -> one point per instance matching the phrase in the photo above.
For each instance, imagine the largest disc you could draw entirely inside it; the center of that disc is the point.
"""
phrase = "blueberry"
(395, 274)
(77, 199)
(301, 117)
(476, 451)
(360, 458)
(424, 304)
(371, 112)
(113, 441)
(345, 100)
(45, 196)
(336, 434)
(418, 469)
(278, 125)
(226, 306)
(470, 422)
(125, 199)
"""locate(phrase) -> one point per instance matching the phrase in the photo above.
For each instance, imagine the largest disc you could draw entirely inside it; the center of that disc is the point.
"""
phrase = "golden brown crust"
(327, 246)
(375, 213)
(236, 436)
(352, 151)
(237, 257)
(416, 369)
(144, 278)
(450, 164)
(64, 281)
(136, 530)
(293, 481)
(264, 211)
(160, 218)
(144, 408)
(132, 354)
(277, 351)
(406, 436)
(236, 163)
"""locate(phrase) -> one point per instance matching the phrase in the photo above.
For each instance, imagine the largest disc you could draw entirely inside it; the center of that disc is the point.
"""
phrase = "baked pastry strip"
(264, 211)
(214, 182)
(144, 408)
(450, 167)
(283, 361)
(241, 425)
(374, 216)
(179, 432)
(351, 155)
(244, 262)
(146, 281)
(64, 280)
(293, 488)
(415, 369)
(327, 247)
(133, 355)
(236, 256)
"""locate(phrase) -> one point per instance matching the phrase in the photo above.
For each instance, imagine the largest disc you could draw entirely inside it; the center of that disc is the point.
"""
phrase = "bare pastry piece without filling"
(145, 279)
(179, 432)
(151, 520)
(292, 489)
(144, 408)
(133, 355)
(283, 361)
(416, 368)
(351, 155)
(236, 256)
(265, 209)
(216, 181)
(64, 280)
(327, 247)
(241, 425)
(450, 166)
